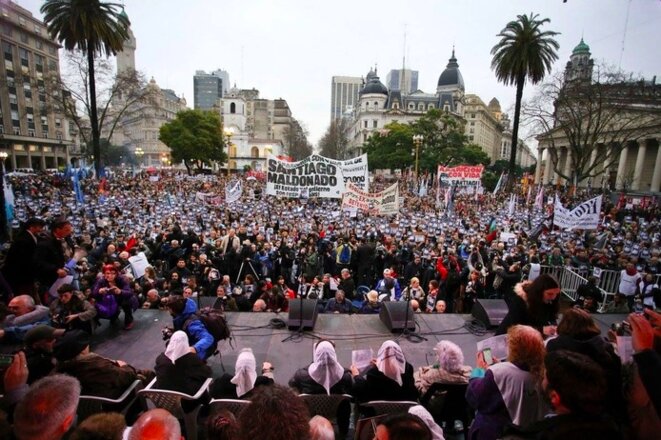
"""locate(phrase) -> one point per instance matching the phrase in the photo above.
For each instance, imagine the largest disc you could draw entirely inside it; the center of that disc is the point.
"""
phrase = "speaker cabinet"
(307, 319)
(393, 315)
(490, 312)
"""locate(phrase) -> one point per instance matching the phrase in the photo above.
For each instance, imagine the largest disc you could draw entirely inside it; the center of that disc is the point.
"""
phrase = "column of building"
(622, 168)
(538, 168)
(656, 177)
(548, 170)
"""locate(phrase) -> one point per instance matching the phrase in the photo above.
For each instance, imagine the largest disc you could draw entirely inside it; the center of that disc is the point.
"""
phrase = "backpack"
(214, 321)
(345, 255)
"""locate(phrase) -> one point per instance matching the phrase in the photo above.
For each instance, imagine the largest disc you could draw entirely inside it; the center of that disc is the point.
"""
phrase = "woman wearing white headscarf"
(421, 411)
(245, 378)
(179, 369)
(391, 377)
(325, 376)
(449, 368)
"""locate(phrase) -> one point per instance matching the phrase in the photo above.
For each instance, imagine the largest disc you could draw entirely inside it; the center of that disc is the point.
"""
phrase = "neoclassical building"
(635, 128)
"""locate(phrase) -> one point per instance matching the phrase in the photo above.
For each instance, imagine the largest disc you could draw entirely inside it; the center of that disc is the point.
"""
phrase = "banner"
(385, 202)
(583, 216)
(233, 192)
(315, 176)
(461, 175)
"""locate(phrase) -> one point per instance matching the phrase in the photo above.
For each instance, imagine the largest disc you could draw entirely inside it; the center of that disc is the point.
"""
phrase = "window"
(6, 29)
(2, 129)
(430, 106)
(24, 38)
(31, 132)
(40, 45)
(52, 65)
(58, 123)
(232, 108)
(365, 123)
(375, 124)
(37, 30)
(52, 50)
(470, 138)
(421, 107)
(17, 131)
(472, 123)
(254, 152)
(411, 106)
(58, 135)
(21, 20)
(473, 115)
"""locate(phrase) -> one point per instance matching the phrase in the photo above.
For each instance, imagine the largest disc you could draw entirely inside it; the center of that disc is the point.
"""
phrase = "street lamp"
(417, 141)
(3, 211)
(138, 154)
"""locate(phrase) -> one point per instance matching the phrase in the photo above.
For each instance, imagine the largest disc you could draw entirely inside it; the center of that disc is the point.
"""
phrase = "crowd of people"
(161, 240)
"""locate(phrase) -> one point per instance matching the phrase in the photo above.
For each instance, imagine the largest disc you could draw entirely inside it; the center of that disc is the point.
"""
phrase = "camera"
(621, 328)
(167, 333)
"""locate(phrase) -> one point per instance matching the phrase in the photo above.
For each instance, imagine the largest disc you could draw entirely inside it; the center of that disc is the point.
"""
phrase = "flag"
(492, 224)
(512, 204)
(9, 199)
(529, 195)
(539, 200)
(602, 239)
(80, 198)
(500, 182)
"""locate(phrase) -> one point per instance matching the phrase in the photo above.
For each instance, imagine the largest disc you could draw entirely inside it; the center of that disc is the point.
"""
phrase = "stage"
(141, 345)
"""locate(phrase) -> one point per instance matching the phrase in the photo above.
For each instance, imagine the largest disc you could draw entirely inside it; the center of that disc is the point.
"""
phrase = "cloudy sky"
(291, 48)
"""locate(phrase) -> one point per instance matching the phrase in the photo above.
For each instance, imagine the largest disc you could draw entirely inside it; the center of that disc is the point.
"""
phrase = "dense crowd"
(159, 240)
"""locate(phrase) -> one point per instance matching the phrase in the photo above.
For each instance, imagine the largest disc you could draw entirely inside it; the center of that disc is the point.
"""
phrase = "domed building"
(378, 106)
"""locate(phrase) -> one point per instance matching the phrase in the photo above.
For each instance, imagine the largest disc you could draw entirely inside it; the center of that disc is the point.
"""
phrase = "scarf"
(391, 362)
(178, 346)
(325, 370)
(245, 374)
(421, 411)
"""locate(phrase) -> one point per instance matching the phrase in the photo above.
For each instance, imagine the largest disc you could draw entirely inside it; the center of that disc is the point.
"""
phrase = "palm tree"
(93, 27)
(524, 52)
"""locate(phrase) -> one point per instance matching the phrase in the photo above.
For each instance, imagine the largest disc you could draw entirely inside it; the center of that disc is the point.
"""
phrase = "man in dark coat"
(18, 269)
(52, 255)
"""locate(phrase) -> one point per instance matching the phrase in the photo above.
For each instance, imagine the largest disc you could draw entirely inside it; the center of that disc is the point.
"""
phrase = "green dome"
(582, 47)
(123, 14)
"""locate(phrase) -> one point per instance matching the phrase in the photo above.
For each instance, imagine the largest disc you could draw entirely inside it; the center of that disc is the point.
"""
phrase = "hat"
(39, 333)
(71, 345)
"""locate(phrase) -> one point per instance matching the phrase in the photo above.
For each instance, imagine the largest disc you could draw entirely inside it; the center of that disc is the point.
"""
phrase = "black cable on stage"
(476, 327)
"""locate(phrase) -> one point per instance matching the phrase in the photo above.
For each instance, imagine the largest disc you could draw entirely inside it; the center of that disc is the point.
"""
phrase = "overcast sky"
(291, 48)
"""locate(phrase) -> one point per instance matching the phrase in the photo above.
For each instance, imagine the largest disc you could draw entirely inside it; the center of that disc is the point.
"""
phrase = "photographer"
(71, 311)
(183, 312)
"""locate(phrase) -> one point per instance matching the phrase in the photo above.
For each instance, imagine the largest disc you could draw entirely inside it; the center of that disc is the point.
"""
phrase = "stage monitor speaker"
(393, 315)
(490, 312)
(309, 309)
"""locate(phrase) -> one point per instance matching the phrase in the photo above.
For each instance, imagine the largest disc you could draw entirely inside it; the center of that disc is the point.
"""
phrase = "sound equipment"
(394, 316)
(490, 312)
(302, 314)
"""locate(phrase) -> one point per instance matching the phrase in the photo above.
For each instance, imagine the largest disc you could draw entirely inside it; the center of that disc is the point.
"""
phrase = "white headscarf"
(178, 346)
(245, 374)
(325, 370)
(391, 362)
(421, 411)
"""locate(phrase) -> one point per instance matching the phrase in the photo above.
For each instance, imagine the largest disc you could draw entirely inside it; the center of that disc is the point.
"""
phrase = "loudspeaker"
(393, 315)
(309, 310)
(490, 312)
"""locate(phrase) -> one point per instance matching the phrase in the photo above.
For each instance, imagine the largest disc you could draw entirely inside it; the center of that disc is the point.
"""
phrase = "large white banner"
(233, 192)
(462, 175)
(583, 216)
(314, 176)
(385, 202)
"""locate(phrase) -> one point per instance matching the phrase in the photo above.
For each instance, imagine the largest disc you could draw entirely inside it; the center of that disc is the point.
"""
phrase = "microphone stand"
(406, 333)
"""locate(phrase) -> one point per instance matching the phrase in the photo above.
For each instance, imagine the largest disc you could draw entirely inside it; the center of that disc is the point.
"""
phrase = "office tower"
(344, 94)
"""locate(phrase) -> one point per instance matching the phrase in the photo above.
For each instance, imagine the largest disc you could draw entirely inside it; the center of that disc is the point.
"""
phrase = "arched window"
(421, 106)
(254, 152)
(232, 151)
(233, 108)
(430, 106)
(231, 165)
(376, 104)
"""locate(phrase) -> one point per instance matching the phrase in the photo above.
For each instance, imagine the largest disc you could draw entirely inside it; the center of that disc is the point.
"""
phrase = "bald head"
(22, 304)
(156, 424)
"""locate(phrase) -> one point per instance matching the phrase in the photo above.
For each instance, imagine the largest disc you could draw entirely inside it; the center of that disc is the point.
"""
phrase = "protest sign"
(314, 176)
(462, 175)
(583, 216)
(385, 202)
(233, 192)
(138, 264)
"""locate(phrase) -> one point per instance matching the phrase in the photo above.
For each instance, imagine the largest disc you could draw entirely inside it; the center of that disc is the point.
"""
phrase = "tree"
(296, 141)
(114, 155)
(443, 142)
(524, 53)
(95, 28)
(195, 137)
(116, 97)
(335, 141)
(609, 109)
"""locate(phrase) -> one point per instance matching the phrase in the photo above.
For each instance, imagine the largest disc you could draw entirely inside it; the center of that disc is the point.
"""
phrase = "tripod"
(250, 266)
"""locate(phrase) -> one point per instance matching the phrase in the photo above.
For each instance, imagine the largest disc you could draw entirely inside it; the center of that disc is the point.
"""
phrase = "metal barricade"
(609, 281)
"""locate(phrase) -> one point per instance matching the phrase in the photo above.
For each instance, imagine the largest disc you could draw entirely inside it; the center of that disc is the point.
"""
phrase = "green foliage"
(335, 141)
(489, 180)
(113, 155)
(443, 141)
(524, 53)
(194, 137)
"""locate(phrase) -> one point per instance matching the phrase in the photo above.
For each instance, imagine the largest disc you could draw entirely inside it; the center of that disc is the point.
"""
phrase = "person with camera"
(184, 317)
(112, 292)
(71, 310)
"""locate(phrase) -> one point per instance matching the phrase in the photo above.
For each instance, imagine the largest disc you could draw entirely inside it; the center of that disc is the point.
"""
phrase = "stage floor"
(141, 345)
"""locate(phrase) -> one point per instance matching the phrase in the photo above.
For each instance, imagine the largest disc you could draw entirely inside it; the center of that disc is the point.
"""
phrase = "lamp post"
(138, 154)
(417, 141)
(3, 208)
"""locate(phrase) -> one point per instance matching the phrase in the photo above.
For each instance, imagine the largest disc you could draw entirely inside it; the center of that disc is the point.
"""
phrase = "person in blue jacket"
(183, 311)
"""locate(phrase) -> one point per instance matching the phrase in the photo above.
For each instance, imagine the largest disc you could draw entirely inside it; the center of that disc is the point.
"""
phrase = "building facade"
(378, 106)
(126, 58)
(33, 128)
(344, 95)
(484, 125)
(208, 88)
(638, 165)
